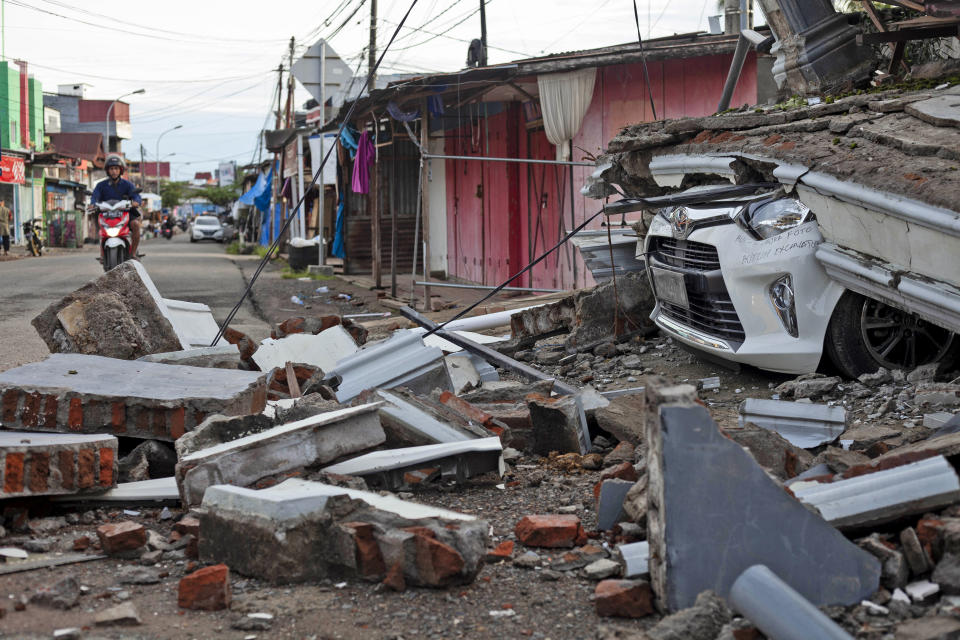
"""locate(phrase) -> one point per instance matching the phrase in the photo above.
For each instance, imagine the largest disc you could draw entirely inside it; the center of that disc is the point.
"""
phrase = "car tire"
(192, 239)
(865, 335)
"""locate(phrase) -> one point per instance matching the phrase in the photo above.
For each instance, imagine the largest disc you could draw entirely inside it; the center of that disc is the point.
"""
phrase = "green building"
(10, 106)
(35, 88)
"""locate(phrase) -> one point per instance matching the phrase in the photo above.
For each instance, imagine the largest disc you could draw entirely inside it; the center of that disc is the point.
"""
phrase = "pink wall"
(497, 211)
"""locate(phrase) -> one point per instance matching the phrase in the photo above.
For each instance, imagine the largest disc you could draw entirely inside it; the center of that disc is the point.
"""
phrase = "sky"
(210, 65)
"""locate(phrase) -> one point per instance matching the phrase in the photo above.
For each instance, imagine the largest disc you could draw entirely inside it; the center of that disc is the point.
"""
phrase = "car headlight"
(777, 216)
(113, 232)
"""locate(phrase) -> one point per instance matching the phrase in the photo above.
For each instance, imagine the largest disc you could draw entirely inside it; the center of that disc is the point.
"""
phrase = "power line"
(434, 37)
(444, 35)
(198, 107)
(145, 81)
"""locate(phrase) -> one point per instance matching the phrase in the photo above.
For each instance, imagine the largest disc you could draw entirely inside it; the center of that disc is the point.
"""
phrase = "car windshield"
(207, 221)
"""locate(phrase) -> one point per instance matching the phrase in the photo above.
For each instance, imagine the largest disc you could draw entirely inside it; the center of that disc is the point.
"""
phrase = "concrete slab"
(142, 491)
(322, 350)
(312, 441)
(461, 371)
(303, 531)
(413, 424)
(400, 360)
(457, 460)
(193, 322)
(803, 424)
(942, 111)
(610, 505)
(705, 491)
(224, 356)
(83, 393)
(41, 464)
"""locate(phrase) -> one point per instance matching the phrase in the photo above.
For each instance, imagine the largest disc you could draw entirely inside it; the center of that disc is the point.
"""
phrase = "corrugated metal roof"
(88, 146)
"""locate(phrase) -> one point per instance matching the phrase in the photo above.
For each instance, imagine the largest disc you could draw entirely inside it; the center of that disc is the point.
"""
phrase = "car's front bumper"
(730, 312)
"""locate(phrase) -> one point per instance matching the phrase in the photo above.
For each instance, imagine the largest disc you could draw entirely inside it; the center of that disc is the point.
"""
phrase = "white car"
(206, 228)
(741, 282)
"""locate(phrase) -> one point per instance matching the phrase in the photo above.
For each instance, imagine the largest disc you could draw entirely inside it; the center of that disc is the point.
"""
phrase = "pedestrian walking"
(6, 219)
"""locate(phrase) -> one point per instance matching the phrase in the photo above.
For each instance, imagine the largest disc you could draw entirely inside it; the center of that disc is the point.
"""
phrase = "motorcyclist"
(115, 187)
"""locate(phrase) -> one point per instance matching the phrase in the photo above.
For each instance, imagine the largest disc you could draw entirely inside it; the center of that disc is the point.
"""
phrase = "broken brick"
(622, 471)
(207, 589)
(121, 537)
(437, 562)
(394, 578)
(369, 559)
(502, 551)
(623, 598)
(549, 530)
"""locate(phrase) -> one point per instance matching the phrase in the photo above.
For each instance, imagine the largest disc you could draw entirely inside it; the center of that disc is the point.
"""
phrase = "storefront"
(16, 191)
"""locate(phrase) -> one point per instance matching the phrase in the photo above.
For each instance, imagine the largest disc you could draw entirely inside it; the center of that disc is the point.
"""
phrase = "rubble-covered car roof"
(904, 142)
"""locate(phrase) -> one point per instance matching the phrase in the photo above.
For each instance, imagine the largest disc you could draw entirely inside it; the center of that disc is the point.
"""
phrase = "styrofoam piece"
(193, 322)
(778, 610)
(636, 559)
(803, 424)
(921, 590)
(883, 496)
(459, 459)
(156, 489)
(399, 410)
(387, 363)
(322, 350)
(294, 498)
(272, 405)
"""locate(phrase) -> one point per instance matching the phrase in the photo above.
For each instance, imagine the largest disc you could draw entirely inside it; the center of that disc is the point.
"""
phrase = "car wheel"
(192, 239)
(865, 334)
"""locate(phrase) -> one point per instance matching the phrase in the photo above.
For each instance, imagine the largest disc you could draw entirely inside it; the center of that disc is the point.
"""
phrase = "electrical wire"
(444, 35)
(296, 209)
(143, 81)
(457, 24)
(643, 58)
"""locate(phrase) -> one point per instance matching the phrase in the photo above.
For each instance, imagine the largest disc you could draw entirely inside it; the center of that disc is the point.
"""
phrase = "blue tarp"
(259, 193)
(266, 230)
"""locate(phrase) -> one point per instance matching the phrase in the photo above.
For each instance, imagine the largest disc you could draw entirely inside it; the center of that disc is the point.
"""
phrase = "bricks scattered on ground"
(207, 589)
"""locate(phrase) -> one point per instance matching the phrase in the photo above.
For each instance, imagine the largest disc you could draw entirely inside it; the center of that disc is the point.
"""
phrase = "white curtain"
(564, 100)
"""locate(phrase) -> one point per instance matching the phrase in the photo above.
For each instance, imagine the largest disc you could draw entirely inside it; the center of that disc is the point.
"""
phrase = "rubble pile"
(654, 507)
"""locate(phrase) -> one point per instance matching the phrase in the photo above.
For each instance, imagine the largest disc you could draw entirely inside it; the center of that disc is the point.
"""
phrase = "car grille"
(686, 254)
(710, 308)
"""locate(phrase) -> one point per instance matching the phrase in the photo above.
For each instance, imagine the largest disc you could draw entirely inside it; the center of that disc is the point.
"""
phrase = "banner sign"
(14, 170)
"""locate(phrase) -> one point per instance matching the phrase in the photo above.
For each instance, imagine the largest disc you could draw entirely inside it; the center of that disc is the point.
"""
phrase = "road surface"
(199, 272)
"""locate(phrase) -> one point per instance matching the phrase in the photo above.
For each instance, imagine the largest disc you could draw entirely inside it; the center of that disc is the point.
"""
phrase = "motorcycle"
(32, 239)
(166, 230)
(115, 238)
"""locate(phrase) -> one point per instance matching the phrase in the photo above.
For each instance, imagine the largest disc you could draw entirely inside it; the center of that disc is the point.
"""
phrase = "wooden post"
(373, 204)
(394, 236)
(425, 196)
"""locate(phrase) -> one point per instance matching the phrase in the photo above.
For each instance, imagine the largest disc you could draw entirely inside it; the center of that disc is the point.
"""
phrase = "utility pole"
(290, 84)
(143, 171)
(275, 189)
(374, 195)
(483, 33)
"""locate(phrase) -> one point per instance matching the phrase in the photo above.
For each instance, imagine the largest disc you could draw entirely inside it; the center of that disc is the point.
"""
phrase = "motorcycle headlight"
(113, 232)
(777, 216)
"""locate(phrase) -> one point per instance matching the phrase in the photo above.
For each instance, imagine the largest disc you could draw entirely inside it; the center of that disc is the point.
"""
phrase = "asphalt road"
(182, 270)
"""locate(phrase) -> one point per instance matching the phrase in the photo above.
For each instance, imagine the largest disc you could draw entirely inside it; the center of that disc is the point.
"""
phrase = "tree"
(221, 196)
(173, 193)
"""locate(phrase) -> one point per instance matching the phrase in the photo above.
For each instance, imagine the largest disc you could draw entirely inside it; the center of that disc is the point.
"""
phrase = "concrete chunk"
(90, 394)
(883, 496)
(35, 464)
(407, 421)
(610, 505)
(556, 424)
(704, 491)
(119, 315)
(312, 441)
(773, 452)
(223, 356)
(321, 350)
(636, 559)
(458, 460)
(804, 425)
(302, 531)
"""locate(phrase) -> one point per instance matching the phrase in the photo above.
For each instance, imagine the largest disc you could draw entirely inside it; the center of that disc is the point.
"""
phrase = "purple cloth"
(366, 153)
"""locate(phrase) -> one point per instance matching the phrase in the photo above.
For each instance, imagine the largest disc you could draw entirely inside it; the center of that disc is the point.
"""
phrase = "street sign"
(326, 81)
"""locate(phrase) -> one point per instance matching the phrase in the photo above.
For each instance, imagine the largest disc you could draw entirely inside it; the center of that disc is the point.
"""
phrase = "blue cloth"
(348, 137)
(107, 190)
(259, 193)
(339, 250)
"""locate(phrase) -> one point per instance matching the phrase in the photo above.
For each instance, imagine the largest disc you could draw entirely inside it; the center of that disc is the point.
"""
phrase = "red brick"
(188, 525)
(39, 471)
(549, 530)
(394, 578)
(81, 544)
(30, 414)
(142, 420)
(501, 552)
(106, 467)
(66, 465)
(86, 468)
(369, 559)
(158, 421)
(437, 562)
(75, 415)
(623, 598)
(258, 400)
(122, 536)
(290, 325)
(200, 416)
(465, 409)
(420, 476)
(622, 471)
(207, 589)
(177, 422)
(13, 473)
(118, 417)
(11, 402)
(50, 405)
